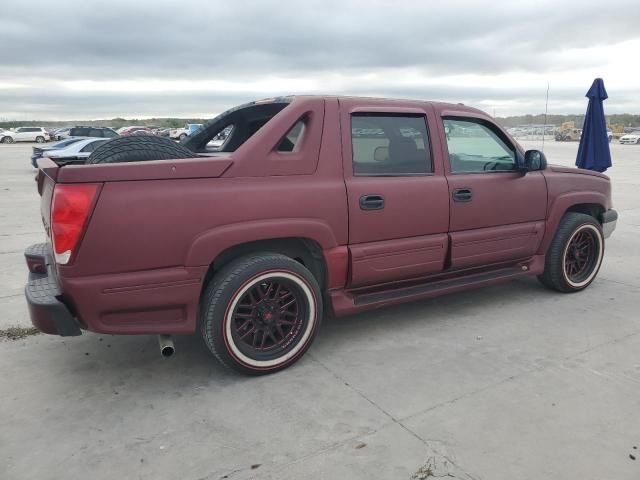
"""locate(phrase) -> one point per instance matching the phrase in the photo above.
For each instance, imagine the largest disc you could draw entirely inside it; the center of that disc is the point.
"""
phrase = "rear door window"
(385, 145)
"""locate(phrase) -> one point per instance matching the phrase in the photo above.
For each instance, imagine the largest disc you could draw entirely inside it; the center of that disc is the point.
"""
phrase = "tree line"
(625, 119)
(113, 123)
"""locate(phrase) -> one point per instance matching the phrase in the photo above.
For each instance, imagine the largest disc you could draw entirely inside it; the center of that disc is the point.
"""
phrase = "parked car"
(182, 133)
(609, 135)
(349, 203)
(60, 133)
(568, 135)
(83, 131)
(7, 136)
(25, 134)
(76, 152)
(142, 131)
(631, 138)
(163, 132)
(178, 133)
(38, 152)
(136, 131)
(50, 131)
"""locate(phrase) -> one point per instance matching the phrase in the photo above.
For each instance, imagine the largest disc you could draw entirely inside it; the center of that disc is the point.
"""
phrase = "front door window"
(475, 147)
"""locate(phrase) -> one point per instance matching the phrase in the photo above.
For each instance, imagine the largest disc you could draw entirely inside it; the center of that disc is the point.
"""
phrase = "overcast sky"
(88, 60)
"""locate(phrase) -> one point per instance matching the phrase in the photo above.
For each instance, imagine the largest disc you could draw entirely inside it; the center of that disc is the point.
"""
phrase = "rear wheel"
(182, 137)
(575, 254)
(260, 313)
(40, 139)
(137, 149)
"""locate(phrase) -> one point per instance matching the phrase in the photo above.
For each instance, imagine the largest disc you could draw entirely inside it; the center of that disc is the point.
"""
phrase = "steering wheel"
(490, 166)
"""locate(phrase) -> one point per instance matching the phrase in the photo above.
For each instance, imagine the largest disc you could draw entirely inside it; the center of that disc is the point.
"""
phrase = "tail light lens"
(70, 208)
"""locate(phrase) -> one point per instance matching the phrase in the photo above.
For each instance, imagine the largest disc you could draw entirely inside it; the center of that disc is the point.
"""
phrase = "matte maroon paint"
(158, 227)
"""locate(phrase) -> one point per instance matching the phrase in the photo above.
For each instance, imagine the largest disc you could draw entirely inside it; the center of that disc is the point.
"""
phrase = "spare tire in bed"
(138, 148)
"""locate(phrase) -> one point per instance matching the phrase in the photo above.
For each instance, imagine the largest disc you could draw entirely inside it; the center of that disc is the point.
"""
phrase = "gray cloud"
(243, 41)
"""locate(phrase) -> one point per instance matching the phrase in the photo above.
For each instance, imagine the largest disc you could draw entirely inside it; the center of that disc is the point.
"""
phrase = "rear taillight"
(70, 209)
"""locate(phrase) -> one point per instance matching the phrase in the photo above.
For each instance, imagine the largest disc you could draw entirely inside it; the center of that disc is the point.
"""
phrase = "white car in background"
(25, 134)
(7, 136)
(631, 138)
(182, 133)
(77, 152)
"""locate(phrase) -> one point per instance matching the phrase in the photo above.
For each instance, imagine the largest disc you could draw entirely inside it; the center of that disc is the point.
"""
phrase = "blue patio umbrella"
(593, 152)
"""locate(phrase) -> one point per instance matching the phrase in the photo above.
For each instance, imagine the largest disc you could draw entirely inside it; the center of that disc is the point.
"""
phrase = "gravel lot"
(508, 382)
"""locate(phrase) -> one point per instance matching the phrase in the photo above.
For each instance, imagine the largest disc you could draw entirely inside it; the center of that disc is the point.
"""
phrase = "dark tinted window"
(475, 146)
(95, 132)
(292, 138)
(390, 145)
(109, 134)
(79, 132)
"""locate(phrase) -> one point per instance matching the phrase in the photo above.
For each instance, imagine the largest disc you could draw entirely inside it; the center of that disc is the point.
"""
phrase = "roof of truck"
(393, 102)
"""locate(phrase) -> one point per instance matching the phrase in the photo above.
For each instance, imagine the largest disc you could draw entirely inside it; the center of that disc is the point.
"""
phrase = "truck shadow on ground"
(138, 357)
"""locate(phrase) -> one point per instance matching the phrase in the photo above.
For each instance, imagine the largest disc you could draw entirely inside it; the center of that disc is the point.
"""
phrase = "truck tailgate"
(201, 167)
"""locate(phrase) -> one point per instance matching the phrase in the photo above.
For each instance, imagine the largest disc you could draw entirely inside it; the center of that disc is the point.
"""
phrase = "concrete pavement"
(507, 382)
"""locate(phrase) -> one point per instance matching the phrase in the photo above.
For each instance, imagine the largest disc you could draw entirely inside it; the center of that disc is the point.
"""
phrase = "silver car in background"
(77, 152)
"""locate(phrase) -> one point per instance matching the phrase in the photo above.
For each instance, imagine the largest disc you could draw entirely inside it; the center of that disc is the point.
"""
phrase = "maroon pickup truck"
(280, 210)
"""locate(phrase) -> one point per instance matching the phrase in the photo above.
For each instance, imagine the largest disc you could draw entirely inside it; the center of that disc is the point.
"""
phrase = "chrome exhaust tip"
(167, 349)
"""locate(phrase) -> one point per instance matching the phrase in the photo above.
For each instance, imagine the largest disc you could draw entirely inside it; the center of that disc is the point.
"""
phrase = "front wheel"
(260, 313)
(575, 254)
(7, 140)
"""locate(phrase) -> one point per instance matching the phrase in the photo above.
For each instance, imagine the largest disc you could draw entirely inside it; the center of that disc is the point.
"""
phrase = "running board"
(438, 287)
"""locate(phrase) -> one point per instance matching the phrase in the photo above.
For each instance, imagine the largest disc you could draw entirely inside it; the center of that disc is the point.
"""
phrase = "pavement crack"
(390, 416)
(619, 282)
(514, 377)
(13, 295)
(354, 389)
(603, 344)
(16, 234)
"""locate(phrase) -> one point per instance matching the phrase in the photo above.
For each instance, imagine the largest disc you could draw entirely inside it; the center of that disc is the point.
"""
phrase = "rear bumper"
(48, 313)
(609, 221)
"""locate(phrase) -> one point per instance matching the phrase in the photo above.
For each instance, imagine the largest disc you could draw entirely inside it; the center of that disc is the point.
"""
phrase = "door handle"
(462, 195)
(371, 202)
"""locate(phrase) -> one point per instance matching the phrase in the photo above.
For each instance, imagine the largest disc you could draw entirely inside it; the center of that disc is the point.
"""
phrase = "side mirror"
(534, 160)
